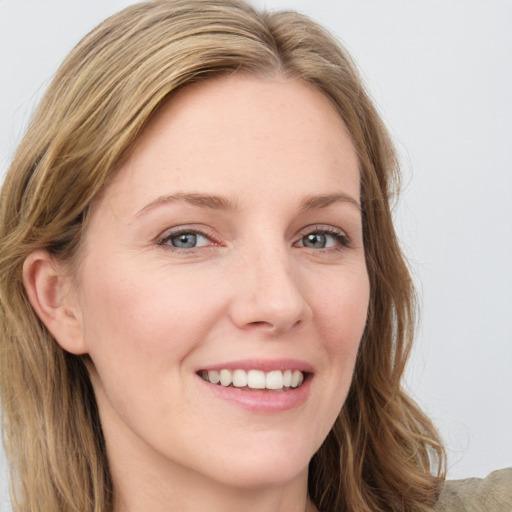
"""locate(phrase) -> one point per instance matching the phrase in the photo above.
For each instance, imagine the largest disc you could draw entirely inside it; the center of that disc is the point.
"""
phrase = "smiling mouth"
(275, 380)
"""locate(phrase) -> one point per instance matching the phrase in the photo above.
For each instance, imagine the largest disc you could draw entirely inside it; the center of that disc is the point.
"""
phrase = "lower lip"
(263, 401)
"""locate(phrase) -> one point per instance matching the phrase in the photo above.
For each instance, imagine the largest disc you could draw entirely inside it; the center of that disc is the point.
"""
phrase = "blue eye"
(315, 240)
(186, 240)
(324, 239)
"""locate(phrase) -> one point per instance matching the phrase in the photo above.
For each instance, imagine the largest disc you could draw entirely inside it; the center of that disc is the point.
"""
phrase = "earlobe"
(50, 292)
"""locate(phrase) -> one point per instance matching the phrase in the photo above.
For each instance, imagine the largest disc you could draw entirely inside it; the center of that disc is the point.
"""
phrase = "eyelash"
(167, 237)
(340, 237)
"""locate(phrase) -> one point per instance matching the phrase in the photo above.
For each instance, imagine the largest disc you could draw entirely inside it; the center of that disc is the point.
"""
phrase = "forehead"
(239, 133)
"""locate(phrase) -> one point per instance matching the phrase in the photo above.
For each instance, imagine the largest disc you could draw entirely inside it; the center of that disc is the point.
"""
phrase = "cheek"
(135, 316)
(139, 329)
(340, 314)
(341, 311)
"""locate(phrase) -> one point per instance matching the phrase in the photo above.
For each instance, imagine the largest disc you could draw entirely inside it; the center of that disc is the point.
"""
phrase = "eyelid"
(183, 229)
(338, 233)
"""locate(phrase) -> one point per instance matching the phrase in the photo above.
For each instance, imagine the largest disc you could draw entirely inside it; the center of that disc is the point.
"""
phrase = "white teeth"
(225, 377)
(239, 379)
(214, 376)
(255, 379)
(297, 379)
(274, 380)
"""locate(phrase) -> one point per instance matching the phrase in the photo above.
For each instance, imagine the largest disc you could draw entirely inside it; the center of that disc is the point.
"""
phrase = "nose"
(268, 294)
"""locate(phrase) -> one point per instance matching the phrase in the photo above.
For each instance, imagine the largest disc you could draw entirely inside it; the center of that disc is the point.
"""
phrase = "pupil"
(185, 241)
(315, 240)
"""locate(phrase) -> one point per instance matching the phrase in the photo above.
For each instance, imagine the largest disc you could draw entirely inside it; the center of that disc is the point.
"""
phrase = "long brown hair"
(382, 454)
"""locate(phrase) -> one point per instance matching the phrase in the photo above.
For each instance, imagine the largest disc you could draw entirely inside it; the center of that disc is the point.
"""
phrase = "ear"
(54, 299)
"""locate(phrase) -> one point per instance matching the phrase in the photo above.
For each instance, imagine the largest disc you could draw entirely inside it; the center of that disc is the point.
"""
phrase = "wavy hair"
(383, 453)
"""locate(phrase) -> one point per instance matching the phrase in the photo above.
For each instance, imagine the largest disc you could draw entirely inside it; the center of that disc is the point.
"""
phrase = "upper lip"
(265, 365)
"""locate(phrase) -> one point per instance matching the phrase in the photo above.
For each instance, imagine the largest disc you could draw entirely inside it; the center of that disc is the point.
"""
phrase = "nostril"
(272, 328)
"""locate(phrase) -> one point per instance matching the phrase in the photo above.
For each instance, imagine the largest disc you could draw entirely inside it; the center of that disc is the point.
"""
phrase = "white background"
(441, 74)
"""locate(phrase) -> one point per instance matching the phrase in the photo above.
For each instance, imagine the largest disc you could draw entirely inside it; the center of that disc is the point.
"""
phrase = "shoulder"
(491, 494)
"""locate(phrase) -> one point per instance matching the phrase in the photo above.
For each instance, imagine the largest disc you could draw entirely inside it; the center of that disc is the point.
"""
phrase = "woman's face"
(229, 245)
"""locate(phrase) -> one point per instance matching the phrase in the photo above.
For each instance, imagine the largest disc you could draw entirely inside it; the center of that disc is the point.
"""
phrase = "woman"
(204, 301)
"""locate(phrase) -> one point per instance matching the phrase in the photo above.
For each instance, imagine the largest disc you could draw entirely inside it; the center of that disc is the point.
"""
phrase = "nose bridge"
(270, 294)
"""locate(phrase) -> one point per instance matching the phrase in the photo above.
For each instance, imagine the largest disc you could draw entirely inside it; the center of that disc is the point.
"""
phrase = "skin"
(150, 314)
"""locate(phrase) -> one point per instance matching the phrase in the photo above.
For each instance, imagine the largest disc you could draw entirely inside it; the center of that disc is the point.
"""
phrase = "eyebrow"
(323, 201)
(215, 202)
(196, 199)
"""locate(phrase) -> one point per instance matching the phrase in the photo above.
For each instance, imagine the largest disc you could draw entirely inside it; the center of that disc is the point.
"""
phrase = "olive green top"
(491, 494)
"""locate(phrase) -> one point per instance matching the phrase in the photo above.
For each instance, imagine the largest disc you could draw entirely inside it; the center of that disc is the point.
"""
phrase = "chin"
(264, 464)
(259, 475)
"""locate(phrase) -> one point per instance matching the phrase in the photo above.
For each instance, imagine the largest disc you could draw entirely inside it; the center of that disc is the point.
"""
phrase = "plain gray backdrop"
(441, 74)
